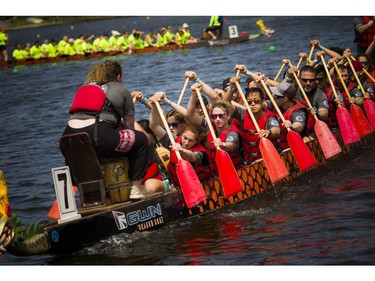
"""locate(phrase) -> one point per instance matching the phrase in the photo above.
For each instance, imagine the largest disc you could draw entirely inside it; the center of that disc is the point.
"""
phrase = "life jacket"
(332, 118)
(236, 156)
(332, 108)
(283, 141)
(180, 39)
(152, 171)
(215, 21)
(92, 100)
(251, 140)
(203, 171)
(365, 39)
(152, 40)
(310, 124)
(186, 36)
(3, 39)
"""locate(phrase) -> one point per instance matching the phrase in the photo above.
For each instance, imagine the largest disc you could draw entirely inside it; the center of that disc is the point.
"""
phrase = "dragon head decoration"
(6, 231)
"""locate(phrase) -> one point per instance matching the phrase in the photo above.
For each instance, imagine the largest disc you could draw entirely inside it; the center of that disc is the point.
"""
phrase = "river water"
(325, 219)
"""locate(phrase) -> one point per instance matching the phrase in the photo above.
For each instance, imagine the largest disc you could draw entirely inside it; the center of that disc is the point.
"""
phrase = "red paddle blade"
(348, 129)
(301, 152)
(327, 141)
(227, 173)
(190, 185)
(370, 111)
(274, 164)
(360, 120)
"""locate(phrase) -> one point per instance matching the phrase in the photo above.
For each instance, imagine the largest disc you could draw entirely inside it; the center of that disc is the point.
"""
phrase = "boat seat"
(85, 169)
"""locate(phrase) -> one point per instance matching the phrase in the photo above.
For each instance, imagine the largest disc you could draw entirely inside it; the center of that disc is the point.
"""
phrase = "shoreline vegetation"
(24, 22)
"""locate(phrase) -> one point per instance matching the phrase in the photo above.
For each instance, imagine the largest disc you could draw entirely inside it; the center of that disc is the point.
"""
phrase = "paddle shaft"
(165, 123)
(278, 73)
(183, 91)
(248, 107)
(369, 75)
(299, 62)
(329, 76)
(311, 52)
(206, 114)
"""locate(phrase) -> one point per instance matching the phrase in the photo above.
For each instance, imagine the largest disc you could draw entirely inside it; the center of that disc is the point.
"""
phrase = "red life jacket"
(332, 118)
(203, 171)
(152, 171)
(236, 156)
(365, 39)
(283, 142)
(251, 141)
(310, 124)
(91, 99)
(332, 108)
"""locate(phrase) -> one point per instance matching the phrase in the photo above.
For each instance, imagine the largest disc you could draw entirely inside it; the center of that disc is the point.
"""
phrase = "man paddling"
(294, 112)
(317, 97)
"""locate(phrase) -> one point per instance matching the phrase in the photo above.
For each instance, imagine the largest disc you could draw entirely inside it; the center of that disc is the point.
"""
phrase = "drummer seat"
(85, 168)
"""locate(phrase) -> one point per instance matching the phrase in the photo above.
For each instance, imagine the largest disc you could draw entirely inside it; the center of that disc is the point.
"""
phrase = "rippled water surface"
(324, 218)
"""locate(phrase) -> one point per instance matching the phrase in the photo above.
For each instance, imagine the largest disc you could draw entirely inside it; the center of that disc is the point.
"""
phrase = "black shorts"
(2, 48)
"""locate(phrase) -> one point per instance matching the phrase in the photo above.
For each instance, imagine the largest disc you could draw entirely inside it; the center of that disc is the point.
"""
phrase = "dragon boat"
(93, 221)
(172, 47)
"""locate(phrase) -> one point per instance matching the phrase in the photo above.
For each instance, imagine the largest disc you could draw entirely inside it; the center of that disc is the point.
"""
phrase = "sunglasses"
(308, 80)
(321, 79)
(255, 101)
(277, 97)
(220, 115)
(173, 124)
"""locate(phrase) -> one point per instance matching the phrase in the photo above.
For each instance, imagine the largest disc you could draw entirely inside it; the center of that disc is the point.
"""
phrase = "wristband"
(143, 101)
(170, 103)
(321, 47)
(197, 80)
(230, 88)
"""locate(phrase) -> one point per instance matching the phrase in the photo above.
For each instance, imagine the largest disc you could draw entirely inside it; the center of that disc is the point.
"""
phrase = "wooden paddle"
(301, 152)
(190, 184)
(327, 141)
(369, 75)
(278, 73)
(272, 160)
(348, 129)
(311, 52)
(300, 61)
(183, 91)
(359, 118)
(369, 105)
(227, 173)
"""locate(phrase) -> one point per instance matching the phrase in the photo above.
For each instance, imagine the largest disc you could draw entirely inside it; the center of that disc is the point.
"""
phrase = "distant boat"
(200, 43)
(34, 20)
